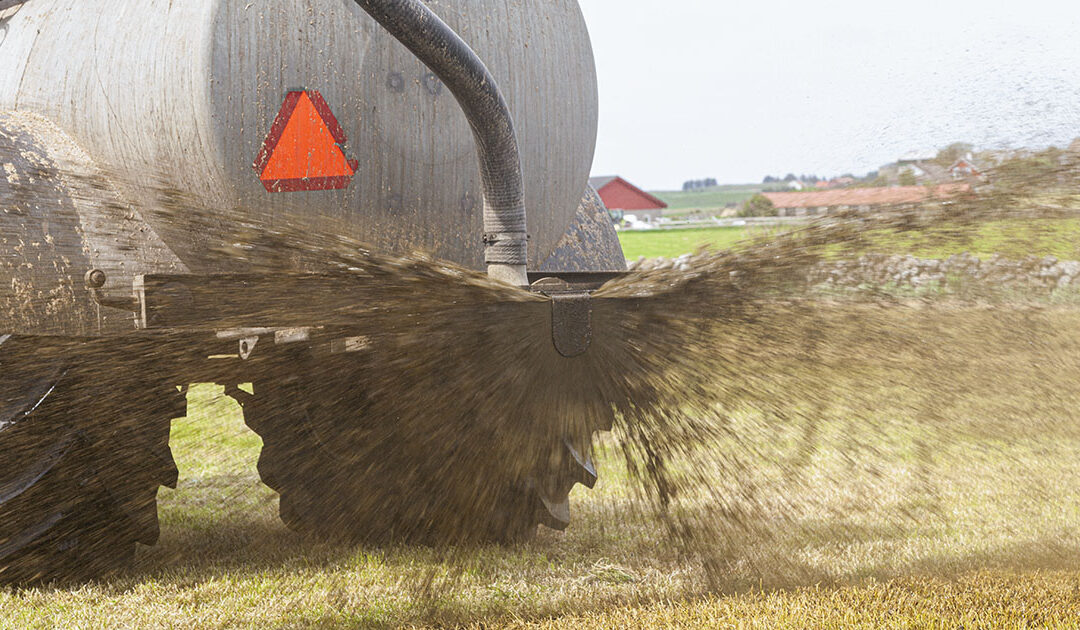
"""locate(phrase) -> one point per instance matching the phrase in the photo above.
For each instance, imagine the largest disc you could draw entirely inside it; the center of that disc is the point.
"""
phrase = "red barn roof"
(880, 196)
(619, 194)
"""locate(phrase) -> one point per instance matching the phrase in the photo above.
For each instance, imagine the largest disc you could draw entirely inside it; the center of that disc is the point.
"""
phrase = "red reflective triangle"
(303, 150)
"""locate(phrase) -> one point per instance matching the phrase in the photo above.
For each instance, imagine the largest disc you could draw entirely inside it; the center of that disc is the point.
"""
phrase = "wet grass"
(900, 528)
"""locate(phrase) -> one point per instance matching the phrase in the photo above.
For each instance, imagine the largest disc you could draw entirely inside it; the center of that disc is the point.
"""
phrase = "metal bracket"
(571, 315)
(571, 323)
(95, 279)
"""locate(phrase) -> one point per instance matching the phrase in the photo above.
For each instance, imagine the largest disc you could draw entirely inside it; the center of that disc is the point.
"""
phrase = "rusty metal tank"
(185, 95)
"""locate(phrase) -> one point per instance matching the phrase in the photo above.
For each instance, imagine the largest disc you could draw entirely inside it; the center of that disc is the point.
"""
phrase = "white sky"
(740, 89)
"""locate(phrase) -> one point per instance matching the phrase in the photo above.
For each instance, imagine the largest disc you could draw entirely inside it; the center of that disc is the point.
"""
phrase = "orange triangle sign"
(304, 149)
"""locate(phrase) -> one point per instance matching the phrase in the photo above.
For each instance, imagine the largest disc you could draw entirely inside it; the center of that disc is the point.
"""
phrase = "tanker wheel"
(400, 486)
(81, 465)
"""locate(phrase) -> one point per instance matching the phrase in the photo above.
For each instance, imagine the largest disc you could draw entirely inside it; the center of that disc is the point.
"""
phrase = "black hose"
(468, 79)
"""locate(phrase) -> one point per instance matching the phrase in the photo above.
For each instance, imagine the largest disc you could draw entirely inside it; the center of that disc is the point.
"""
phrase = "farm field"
(710, 199)
(671, 243)
(1012, 238)
(980, 530)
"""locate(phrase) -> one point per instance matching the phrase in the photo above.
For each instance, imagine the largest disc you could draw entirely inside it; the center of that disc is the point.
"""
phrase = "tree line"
(699, 184)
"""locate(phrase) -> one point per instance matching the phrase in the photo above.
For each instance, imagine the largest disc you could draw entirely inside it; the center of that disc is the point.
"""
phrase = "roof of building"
(880, 196)
(602, 181)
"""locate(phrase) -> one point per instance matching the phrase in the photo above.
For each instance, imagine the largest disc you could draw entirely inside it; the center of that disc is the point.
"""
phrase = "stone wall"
(1046, 273)
(1031, 273)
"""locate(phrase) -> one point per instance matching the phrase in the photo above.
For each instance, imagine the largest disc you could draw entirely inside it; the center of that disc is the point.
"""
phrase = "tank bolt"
(95, 278)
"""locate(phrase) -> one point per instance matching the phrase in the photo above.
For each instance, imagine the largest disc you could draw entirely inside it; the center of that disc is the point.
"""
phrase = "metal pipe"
(468, 79)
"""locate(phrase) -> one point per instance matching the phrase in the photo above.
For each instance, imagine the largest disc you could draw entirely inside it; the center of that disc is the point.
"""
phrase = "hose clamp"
(491, 238)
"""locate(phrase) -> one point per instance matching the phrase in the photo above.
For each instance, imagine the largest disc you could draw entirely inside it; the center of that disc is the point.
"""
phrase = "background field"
(672, 243)
(711, 199)
(1012, 238)
(980, 529)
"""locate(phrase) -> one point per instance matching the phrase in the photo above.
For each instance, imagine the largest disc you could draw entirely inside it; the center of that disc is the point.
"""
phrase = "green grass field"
(1012, 238)
(672, 243)
(981, 530)
(710, 199)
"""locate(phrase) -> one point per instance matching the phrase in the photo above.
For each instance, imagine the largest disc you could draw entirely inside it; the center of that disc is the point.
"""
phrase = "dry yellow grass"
(983, 599)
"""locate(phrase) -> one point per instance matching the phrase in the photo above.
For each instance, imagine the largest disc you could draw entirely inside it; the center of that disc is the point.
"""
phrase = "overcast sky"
(739, 89)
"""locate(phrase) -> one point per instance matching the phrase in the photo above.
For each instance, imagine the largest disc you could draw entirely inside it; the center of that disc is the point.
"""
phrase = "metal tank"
(167, 95)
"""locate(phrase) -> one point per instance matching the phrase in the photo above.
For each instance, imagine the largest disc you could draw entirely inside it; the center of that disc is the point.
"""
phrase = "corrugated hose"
(468, 79)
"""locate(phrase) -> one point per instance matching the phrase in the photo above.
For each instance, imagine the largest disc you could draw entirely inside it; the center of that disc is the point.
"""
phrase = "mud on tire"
(344, 473)
(80, 463)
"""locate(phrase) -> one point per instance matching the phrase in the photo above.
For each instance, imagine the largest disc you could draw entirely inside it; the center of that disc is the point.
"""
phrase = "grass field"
(711, 199)
(1012, 238)
(672, 243)
(980, 530)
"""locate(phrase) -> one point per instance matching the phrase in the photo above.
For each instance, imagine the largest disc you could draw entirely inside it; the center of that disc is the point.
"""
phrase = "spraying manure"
(458, 396)
(731, 388)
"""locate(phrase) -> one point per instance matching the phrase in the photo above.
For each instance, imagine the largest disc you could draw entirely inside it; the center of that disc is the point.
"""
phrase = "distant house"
(620, 195)
(964, 168)
(921, 166)
(820, 202)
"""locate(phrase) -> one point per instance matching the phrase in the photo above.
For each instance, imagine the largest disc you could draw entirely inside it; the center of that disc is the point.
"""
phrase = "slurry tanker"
(139, 137)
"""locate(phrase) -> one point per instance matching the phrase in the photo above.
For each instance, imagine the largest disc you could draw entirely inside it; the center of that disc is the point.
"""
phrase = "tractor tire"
(80, 465)
(393, 491)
